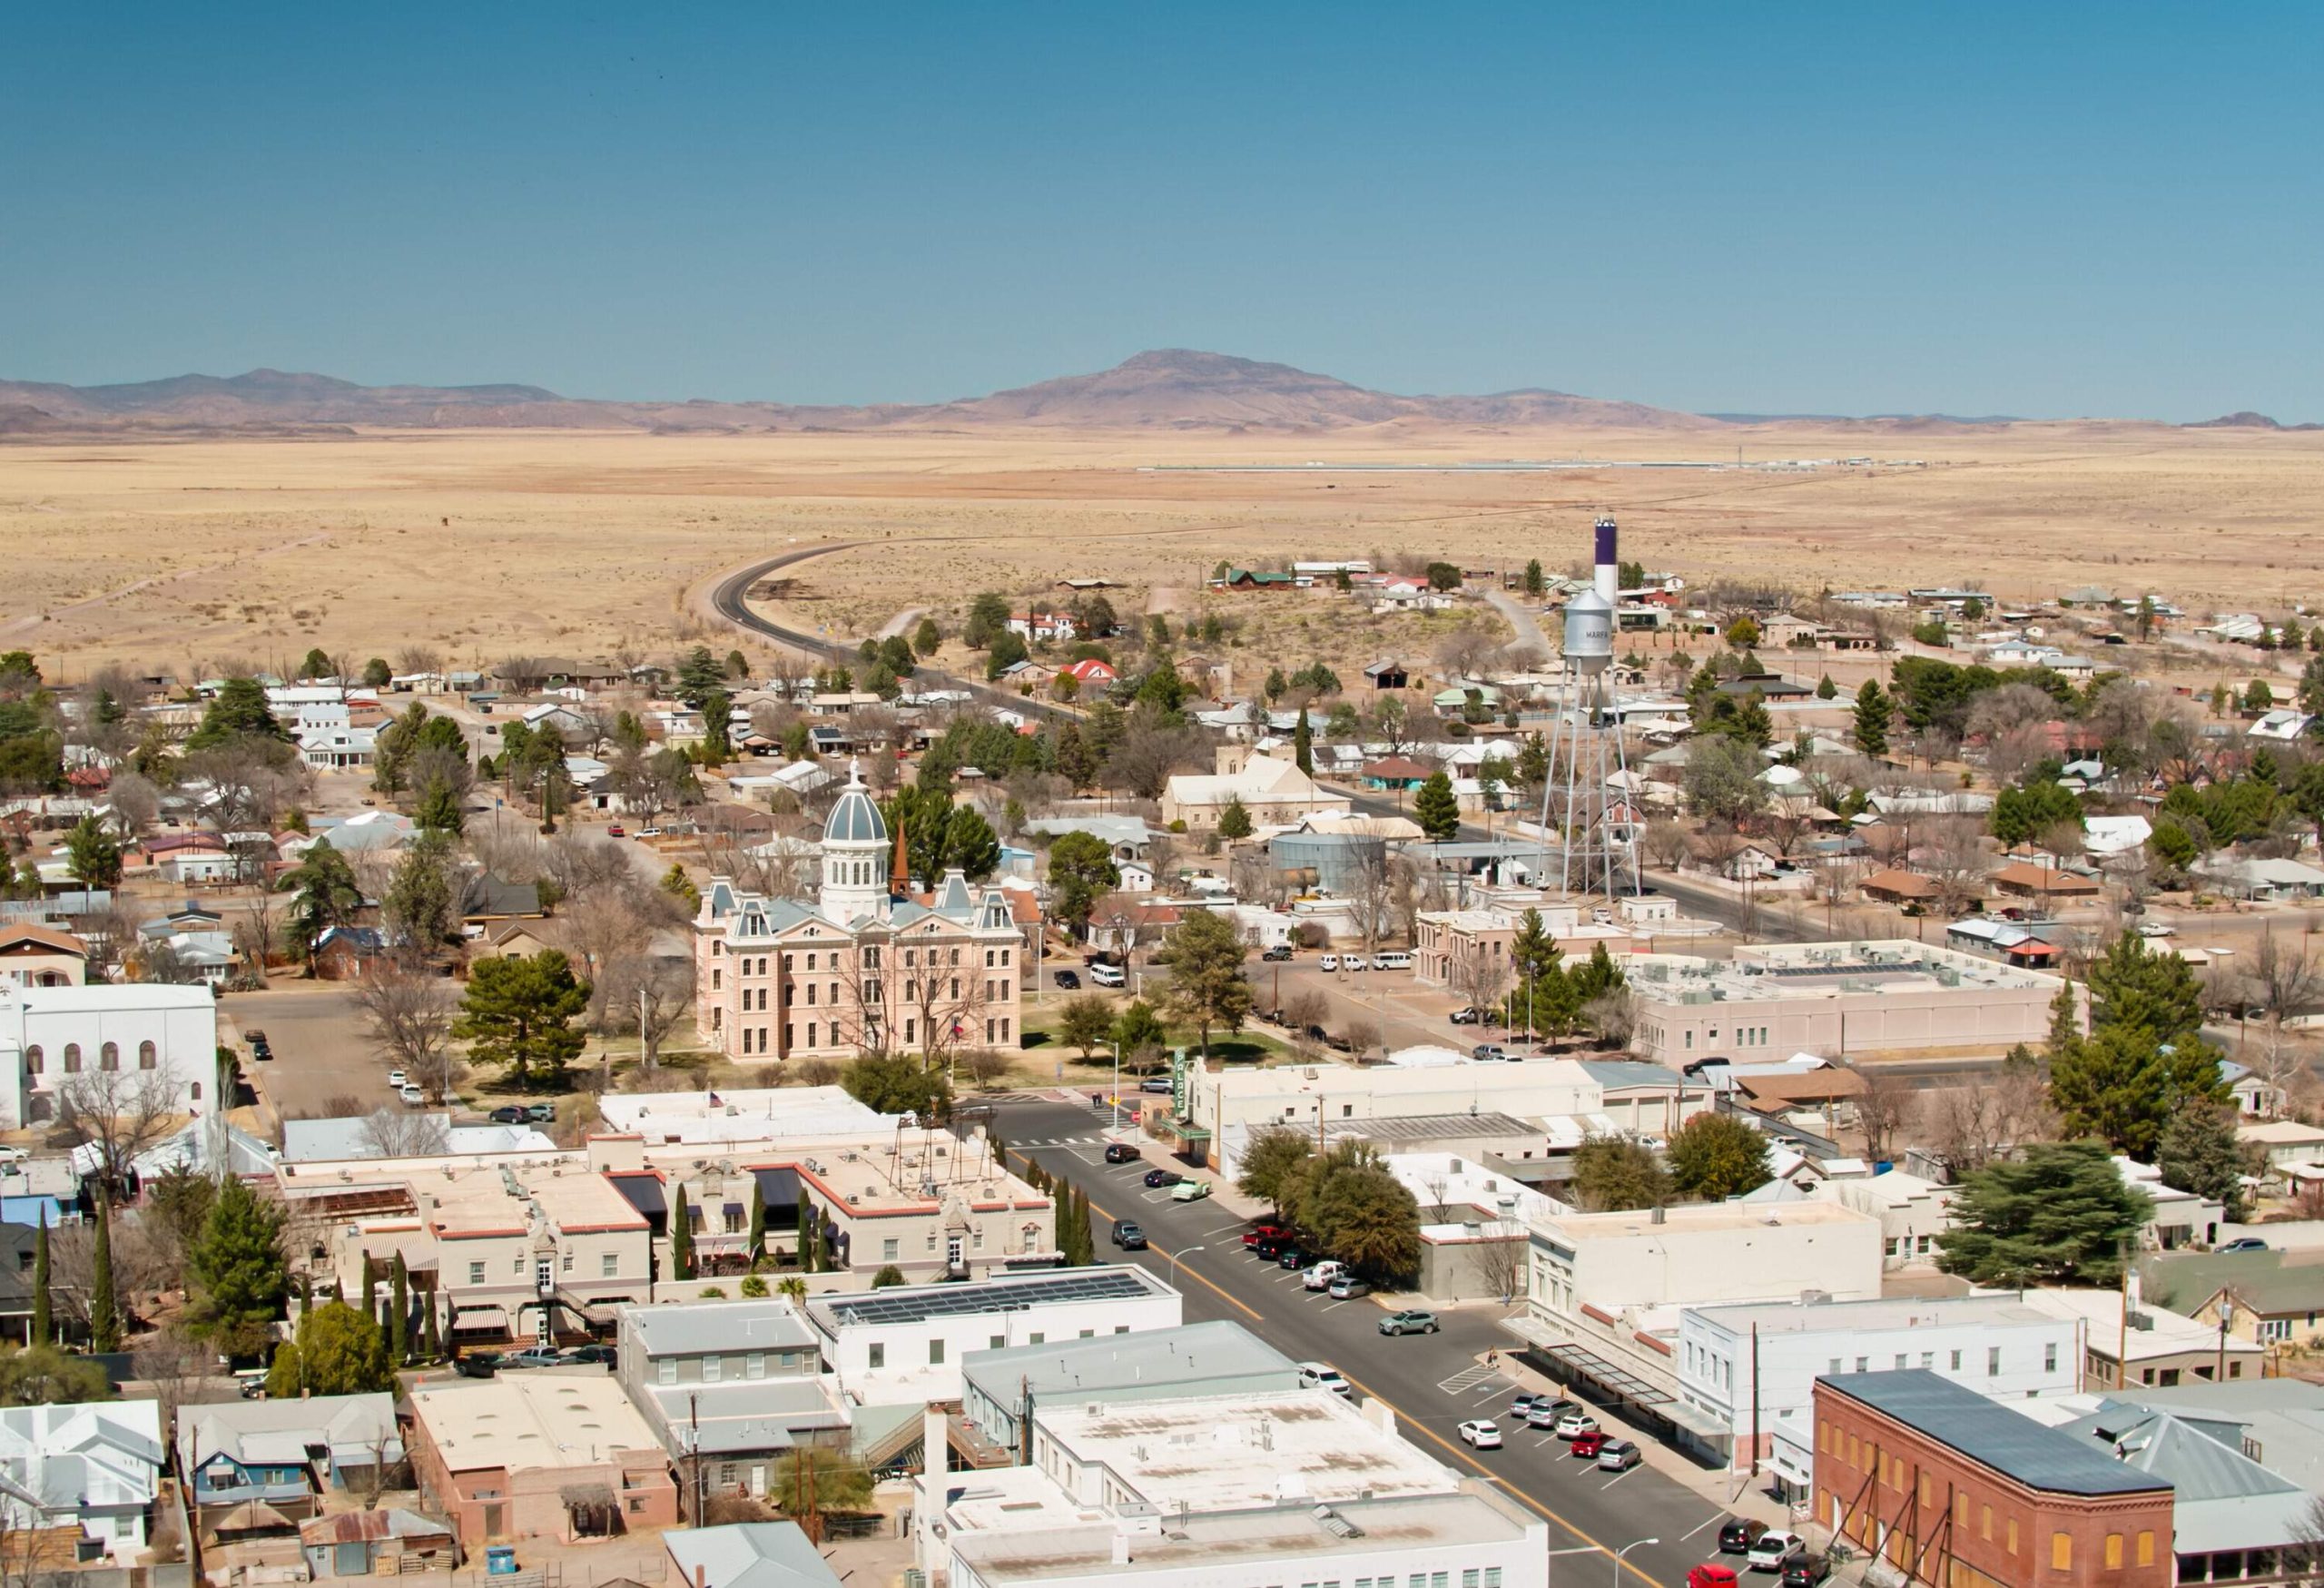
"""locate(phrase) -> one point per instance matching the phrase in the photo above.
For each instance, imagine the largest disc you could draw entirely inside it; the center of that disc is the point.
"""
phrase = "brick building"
(1959, 1490)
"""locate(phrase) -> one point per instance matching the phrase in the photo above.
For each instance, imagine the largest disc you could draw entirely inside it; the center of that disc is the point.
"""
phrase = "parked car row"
(1274, 1243)
(1394, 960)
(1768, 1549)
(485, 1364)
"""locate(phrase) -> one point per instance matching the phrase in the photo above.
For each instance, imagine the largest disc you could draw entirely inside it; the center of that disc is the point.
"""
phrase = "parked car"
(1574, 1425)
(1484, 1433)
(1348, 1288)
(1291, 1257)
(596, 1351)
(1321, 1275)
(1318, 1376)
(1412, 1321)
(1773, 1548)
(1548, 1414)
(478, 1365)
(1736, 1537)
(1589, 1444)
(398, 1079)
(1354, 962)
(1618, 1455)
(1281, 951)
(1338, 1043)
(533, 1356)
(1189, 1191)
(1807, 1571)
(1121, 1152)
(507, 1114)
(1155, 1086)
(1267, 1250)
(540, 1113)
(1128, 1236)
(411, 1097)
(259, 1049)
(1488, 1052)
(1328, 962)
(616, 830)
(2247, 1243)
(1157, 1178)
(1105, 975)
(1710, 1574)
(1526, 1401)
(1259, 1232)
(1067, 980)
(1465, 1017)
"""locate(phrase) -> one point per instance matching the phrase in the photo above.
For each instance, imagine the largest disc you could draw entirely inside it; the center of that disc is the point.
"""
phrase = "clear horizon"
(1820, 210)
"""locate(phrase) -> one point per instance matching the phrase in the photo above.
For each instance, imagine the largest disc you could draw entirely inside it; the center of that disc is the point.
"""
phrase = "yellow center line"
(1403, 1417)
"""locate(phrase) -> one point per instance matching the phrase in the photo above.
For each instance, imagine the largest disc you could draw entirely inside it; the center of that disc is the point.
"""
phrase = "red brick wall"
(1949, 1520)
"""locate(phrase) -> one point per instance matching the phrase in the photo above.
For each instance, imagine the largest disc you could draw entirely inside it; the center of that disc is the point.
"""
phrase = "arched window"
(109, 1056)
(72, 1058)
(33, 1060)
(145, 1055)
(196, 1091)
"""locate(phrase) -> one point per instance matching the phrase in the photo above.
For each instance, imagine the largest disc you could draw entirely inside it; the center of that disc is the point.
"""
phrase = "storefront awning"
(1580, 1362)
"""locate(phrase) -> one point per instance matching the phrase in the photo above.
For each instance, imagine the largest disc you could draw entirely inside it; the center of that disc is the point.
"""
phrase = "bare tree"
(1480, 979)
(654, 994)
(121, 1114)
(409, 1012)
(1499, 1261)
(1969, 1127)
(403, 1133)
(581, 867)
(2285, 979)
(1667, 844)
(1611, 1017)
(411, 660)
(135, 803)
(1148, 755)
(1953, 858)
(1368, 882)
(1884, 1111)
(251, 782)
(178, 1368)
(986, 1066)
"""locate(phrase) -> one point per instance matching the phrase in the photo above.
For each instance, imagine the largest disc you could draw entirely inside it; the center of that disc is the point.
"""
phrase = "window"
(1469, 1578)
(1929, 1360)
(31, 1059)
(1037, 1338)
(72, 1058)
(145, 1055)
(1900, 1361)
(475, 1273)
(565, 1266)
(936, 1353)
(887, 1250)
(713, 1369)
(1862, 1364)
(755, 1365)
(609, 1266)
(810, 994)
(2050, 1357)
(878, 1355)
(717, 977)
(1493, 1577)
(999, 1341)
(1985, 1522)
(2113, 1551)
(810, 1033)
(2146, 1548)
(1834, 1366)
(666, 1371)
(109, 1056)
(1957, 1361)
(1992, 1361)
(2013, 1535)
(2062, 1552)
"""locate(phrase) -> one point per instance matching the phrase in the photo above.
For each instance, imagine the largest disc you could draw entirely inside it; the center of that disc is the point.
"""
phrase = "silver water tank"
(1589, 642)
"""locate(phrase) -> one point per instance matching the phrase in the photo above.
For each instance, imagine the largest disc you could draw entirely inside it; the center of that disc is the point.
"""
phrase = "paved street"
(1432, 1382)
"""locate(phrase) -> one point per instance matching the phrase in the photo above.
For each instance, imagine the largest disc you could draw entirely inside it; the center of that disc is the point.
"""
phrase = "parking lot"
(321, 1048)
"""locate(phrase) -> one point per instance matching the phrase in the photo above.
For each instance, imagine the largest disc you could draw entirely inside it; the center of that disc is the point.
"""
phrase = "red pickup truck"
(1259, 1232)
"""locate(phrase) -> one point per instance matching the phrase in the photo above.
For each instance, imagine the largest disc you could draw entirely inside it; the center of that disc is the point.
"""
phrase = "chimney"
(933, 1444)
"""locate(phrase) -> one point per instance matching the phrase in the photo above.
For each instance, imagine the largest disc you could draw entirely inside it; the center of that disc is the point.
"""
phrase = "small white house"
(97, 1467)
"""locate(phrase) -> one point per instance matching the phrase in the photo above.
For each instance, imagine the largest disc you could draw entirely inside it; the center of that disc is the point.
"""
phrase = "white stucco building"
(139, 1035)
(97, 1467)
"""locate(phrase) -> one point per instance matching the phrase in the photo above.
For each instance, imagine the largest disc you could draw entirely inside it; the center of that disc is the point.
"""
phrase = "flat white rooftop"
(1774, 1317)
(1220, 1453)
(1696, 1218)
(767, 1114)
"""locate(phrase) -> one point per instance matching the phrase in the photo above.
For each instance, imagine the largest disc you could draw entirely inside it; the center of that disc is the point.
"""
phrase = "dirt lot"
(181, 554)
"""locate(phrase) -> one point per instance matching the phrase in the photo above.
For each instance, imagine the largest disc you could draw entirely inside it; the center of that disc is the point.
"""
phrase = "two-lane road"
(1433, 1382)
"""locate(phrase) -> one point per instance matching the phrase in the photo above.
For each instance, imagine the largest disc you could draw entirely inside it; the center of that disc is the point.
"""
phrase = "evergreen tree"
(104, 1310)
(1303, 746)
(2058, 1214)
(93, 855)
(758, 1220)
(1270, 1158)
(2199, 1151)
(439, 808)
(235, 1272)
(1437, 808)
(399, 1319)
(336, 1349)
(927, 639)
(317, 664)
(2066, 1020)
(1715, 1157)
(1274, 685)
(1534, 584)
(1613, 1174)
(517, 1012)
(44, 1327)
(1873, 710)
(699, 678)
(805, 1213)
(1826, 689)
(681, 1237)
(419, 910)
(239, 710)
(1234, 821)
(327, 896)
(1205, 953)
(718, 728)
(435, 1329)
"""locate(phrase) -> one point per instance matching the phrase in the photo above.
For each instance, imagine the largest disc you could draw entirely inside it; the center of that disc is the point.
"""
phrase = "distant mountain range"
(1171, 388)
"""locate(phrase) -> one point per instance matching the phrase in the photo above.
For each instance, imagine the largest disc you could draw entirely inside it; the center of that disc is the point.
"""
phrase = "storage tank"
(1588, 644)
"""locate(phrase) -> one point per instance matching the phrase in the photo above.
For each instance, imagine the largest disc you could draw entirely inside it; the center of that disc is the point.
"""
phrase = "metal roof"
(719, 1325)
(1991, 1433)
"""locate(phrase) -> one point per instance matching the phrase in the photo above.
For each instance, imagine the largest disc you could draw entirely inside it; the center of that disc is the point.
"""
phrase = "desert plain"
(181, 552)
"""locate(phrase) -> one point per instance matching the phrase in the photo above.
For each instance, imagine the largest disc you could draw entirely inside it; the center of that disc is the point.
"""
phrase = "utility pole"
(1755, 1399)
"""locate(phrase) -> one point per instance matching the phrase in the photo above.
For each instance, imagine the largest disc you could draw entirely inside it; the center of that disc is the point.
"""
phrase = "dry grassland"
(482, 544)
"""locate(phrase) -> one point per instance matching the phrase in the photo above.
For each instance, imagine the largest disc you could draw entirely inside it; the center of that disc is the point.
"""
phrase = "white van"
(1354, 962)
(1328, 962)
(1105, 975)
(1392, 961)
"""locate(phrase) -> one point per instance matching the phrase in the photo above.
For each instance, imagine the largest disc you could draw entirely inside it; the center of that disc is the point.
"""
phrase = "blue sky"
(2035, 210)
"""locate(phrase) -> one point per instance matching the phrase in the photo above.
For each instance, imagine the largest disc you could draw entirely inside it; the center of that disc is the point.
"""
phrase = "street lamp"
(1634, 1544)
(1182, 1251)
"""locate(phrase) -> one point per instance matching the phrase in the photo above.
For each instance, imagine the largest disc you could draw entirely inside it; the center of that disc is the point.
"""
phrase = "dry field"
(481, 544)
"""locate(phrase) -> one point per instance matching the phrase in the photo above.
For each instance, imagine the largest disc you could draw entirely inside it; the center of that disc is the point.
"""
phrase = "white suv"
(1316, 1375)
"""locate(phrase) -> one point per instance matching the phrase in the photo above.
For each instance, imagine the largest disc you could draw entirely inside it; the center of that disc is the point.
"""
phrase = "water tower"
(1597, 857)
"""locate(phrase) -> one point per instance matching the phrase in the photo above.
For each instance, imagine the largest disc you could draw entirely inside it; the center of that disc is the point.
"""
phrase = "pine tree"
(1437, 808)
(1873, 710)
(399, 1320)
(1303, 745)
(2059, 1214)
(42, 1329)
(1234, 821)
(2066, 1020)
(104, 1310)
(235, 1270)
(681, 1238)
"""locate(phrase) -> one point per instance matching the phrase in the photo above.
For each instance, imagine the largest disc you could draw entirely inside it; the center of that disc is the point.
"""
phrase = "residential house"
(1388, 674)
(557, 1454)
(2023, 880)
(489, 900)
(2280, 728)
(749, 1555)
(2131, 1341)
(740, 1382)
(2274, 1299)
(339, 749)
(2261, 880)
(287, 1453)
(1893, 886)
(1235, 578)
(349, 953)
(386, 1542)
(1913, 1213)
(42, 956)
(1273, 793)
(93, 1469)
(1090, 675)
(1039, 626)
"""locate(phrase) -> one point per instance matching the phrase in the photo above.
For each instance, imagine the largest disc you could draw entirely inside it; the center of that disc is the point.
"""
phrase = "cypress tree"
(400, 1326)
(758, 1220)
(681, 1238)
(42, 1331)
(104, 1310)
(1303, 745)
(806, 1211)
(435, 1329)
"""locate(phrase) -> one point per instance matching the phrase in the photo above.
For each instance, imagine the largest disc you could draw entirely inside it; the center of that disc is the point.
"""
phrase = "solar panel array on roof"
(952, 1300)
